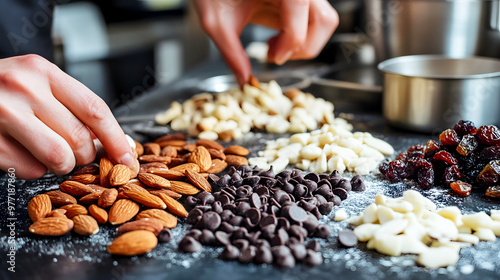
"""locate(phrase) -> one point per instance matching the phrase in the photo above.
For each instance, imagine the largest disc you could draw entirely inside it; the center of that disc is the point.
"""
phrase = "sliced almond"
(122, 211)
(209, 144)
(236, 160)
(85, 225)
(201, 157)
(146, 199)
(99, 214)
(154, 181)
(236, 150)
(74, 210)
(217, 166)
(59, 198)
(198, 180)
(75, 188)
(173, 206)
(39, 206)
(119, 175)
(105, 166)
(133, 243)
(152, 225)
(51, 226)
(107, 198)
(183, 188)
(152, 149)
(167, 219)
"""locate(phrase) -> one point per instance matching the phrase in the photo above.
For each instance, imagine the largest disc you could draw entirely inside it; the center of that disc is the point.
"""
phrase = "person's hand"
(48, 120)
(304, 27)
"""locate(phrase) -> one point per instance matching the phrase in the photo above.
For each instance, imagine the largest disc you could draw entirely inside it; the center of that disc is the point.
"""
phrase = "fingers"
(94, 113)
(293, 33)
(13, 155)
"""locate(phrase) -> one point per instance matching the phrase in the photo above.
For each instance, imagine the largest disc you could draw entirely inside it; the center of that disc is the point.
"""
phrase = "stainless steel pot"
(456, 28)
(431, 93)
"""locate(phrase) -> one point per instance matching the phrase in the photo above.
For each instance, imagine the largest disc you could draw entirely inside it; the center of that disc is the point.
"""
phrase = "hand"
(48, 119)
(304, 27)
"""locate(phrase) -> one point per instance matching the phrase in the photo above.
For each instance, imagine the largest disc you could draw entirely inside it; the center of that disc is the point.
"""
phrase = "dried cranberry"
(396, 171)
(468, 144)
(449, 137)
(465, 127)
(445, 157)
(489, 135)
(416, 151)
(490, 153)
(461, 188)
(451, 174)
(491, 173)
(431, 148)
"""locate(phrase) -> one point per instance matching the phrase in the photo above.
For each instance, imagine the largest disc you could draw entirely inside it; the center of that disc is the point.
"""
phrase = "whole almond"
(74, 210)
(57, 213)
(237, 150)
(169, 174)
(152, 149)
(198, 181)
(226, 135)
(85, 225)
(152, 225)
(39, 206)
(209, 144)
(189, 147)
(214, 153)
(107, 198)
(201, 157)
(75, 188)
(168, 137)
(152, 165)
(86, 178)
(133, 243)
(167, 219)
(169, 151)
(90, 198)
(51, 226)
(122, 211)
(97, 188)
(170, 193)
(217, 166)
(154, 181)
(105, 166)
(59, 198)
(119, 175)
(87, 169)
(236, 160)
(139, 149)
(99, 214)
(183, 167)
(254, 82)
(183, 188)
(175, 143)
(173, 206)
(133, 185)
(153, 158)
(146, 199)
(177, 161)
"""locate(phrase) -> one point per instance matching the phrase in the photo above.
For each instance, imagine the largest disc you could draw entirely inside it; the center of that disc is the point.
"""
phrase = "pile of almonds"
(170, 167)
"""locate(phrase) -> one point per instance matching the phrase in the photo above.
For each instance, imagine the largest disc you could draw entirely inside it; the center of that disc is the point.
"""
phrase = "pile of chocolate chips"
(261, 217)
(465, 157)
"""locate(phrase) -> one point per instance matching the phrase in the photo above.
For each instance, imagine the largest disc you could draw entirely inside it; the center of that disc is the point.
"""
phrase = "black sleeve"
(25, 27)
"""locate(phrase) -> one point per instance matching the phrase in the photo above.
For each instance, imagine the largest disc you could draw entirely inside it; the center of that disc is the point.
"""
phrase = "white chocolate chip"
(438, 257)
(340, 215)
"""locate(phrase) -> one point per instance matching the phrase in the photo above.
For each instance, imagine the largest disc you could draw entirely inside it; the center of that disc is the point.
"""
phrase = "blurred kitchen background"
(122, 48)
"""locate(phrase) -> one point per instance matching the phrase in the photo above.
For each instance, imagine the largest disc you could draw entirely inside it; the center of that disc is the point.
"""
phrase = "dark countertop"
(75, 257)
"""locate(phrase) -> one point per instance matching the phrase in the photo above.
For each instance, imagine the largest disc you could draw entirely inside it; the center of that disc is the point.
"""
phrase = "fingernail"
(128, 160)
(281, 59)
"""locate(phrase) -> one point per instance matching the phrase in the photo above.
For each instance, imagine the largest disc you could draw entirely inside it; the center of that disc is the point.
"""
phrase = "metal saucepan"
(431, 92)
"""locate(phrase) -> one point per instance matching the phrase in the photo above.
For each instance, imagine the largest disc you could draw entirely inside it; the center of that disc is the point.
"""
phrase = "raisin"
(449, 137)
(465, 127)
(445, 157)
(468, 144)
(403, 156)
(416, 151)
(489, 135)
(490, 173)
(493, 191)
(425, 178)
(384, 166)
(396, 171)
(451, 174)
(490, 153)
(431, 148)
(461, 188)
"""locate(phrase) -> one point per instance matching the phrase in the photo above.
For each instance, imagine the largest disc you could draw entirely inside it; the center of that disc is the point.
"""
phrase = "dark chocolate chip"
(242, 208)
(241, 243)
(313, 245)
(288, 187)
(211, 220)
(334, 181)
(204, 208)
(222, 238)
(296, 240)
(284, 174)
(347, 238)
(286, 261)
(207, 237)
(274, 210)
(251, 180)
(228, 193)
(281, 196)
(194, 216)
(313, 258)
(345, 184)
(316, 213)
(232, 170)
(298, 251)
(241, 192)
(335, 173)
(322, 232)
(269, 173)
(230, 207)
(323, 189)
(224, 181)
(262, 243)
(253, 237)
(324, 182)
(212, 178)
(230, 253)
(224, 199)
(297, 231)
(311, 223)
(253, 214)
(296, 172)
(226, 215)
(281, 238)
(326, 208)
(244, 168)
(268, 182)
(296, 213)
(323, 176)
(240, 233)
(320, 199)
(357, 183)
(336, 200)
(236, 221)
(194, 233)
(311, 186)
(247, 254)
(263, 255)
(226, 227)
(189, 245)
(342, 193)
(205, 198)
(236, 177)
(306, 205)
(191, 201)
(165, 235)
(279, 251)
(262, 191)
(312, 176)
(299, 191)
(217, 207)
(283, 223)
(238, 183)
(255, 200)
(268, 231)
(268, 220)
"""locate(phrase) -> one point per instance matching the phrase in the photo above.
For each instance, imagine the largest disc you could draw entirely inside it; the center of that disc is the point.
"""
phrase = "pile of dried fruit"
(412, 224)
(113, 193)
(265, 218)
(467, 157)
